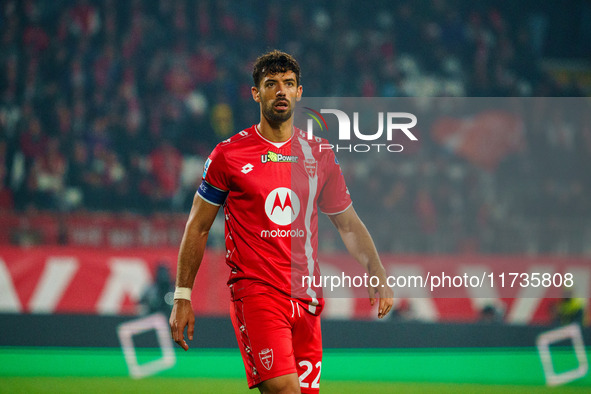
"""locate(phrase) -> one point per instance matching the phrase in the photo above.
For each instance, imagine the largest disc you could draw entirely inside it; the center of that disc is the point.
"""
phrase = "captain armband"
(212, 194)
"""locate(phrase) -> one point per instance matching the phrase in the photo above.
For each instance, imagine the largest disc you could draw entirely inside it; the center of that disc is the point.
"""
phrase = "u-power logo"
(390, 122)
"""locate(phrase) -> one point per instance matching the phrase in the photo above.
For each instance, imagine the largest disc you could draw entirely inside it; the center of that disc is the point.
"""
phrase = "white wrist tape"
(182, 293)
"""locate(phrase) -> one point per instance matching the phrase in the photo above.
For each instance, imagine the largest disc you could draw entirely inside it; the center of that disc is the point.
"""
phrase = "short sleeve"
(334, 196)
(214, 186)
(215, 170)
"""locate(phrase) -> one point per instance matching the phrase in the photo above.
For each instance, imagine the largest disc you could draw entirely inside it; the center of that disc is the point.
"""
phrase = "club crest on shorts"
(310, 166)
(266, 356)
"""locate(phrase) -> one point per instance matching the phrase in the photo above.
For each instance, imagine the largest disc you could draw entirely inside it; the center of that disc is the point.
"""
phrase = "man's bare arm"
(191, 252)
(361, 246)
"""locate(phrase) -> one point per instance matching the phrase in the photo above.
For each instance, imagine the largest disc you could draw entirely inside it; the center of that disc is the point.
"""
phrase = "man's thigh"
(277, 337)
(263, 330)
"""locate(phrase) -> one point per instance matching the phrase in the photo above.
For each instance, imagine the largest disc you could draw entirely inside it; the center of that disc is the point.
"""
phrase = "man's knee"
(285, 384)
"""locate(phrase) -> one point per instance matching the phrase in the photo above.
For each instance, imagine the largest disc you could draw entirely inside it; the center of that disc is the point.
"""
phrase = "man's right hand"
(182, 316)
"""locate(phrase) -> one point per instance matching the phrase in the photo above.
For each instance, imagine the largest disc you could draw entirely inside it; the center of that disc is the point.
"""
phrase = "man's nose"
(280, 90)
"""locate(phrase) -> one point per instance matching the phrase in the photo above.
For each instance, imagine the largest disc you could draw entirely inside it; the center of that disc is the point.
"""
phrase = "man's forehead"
(280, 76)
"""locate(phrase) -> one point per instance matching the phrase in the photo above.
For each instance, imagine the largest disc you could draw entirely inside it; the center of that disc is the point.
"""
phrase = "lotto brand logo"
(247, 168)
(282, 206)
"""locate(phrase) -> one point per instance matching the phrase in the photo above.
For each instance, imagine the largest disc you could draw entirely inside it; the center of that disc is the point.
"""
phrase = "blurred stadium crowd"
(112, 106)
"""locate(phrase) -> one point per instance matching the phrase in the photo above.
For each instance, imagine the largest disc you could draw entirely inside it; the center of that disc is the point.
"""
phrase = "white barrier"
(572, 332)
(126, 331)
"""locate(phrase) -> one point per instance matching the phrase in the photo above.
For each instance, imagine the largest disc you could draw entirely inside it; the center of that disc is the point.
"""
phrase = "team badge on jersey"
(310, 166)
(266, 357)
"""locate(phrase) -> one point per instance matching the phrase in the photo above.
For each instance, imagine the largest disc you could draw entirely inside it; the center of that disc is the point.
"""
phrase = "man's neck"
(276, 133)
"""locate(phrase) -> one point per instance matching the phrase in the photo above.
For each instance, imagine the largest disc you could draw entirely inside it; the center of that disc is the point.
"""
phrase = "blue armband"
(212, 194)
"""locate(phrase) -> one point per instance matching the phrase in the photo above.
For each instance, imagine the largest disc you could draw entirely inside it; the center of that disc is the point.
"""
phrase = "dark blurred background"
(108, 109)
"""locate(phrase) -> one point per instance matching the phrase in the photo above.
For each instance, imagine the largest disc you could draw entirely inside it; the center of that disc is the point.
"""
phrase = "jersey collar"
(275, 144)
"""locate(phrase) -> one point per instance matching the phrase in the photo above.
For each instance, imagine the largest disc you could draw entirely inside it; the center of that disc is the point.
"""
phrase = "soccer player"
(271, 180)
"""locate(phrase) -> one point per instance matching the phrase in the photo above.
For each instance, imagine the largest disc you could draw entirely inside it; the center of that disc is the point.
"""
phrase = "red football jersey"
(271, 193)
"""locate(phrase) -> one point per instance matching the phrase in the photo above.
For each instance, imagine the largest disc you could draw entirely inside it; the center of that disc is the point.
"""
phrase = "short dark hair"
(274, 62)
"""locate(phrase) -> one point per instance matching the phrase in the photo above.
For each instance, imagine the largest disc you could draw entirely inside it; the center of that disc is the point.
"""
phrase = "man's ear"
(256, 95)
(299, 95)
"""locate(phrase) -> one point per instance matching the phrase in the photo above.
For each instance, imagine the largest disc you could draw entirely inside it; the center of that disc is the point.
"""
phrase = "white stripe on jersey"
(313, 187)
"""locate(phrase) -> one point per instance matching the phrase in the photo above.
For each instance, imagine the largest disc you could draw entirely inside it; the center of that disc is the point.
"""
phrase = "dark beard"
(276, 117)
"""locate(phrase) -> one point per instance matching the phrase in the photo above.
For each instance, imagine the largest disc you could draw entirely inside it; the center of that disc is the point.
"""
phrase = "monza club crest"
(310, 166)
(266, 356)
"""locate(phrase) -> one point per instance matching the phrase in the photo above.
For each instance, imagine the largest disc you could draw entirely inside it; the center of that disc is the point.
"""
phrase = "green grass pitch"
(220, 371)
(109, 385)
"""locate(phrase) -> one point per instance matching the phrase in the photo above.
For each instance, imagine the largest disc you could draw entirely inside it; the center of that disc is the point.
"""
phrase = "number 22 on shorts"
(309, 368)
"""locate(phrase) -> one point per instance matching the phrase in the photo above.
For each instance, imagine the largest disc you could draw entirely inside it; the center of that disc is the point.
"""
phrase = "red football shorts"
(276, 336)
